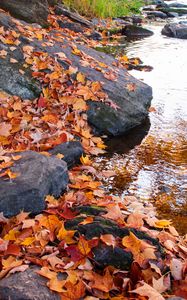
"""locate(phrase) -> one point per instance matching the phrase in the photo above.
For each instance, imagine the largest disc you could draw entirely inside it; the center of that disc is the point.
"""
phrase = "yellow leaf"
(66, 235)
(85, 160)
(28, 241)
(11, 235)
(162, 223)
(81, 78)
(132, 243)
(83, 246)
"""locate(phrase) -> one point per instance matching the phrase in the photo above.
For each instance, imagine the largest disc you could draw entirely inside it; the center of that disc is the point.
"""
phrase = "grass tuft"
(104, 8)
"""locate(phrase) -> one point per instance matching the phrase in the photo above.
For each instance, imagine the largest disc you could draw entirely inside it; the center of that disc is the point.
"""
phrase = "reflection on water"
(156, 169)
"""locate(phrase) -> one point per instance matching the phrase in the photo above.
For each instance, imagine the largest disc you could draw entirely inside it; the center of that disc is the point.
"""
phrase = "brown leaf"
(148, 291)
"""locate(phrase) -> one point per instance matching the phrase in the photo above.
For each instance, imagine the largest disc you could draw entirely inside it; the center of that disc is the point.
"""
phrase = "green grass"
(104, 8)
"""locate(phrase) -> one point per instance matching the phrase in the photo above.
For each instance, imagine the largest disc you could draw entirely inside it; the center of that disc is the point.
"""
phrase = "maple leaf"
(81, 78)
(110, 75)
(85, 160)
(103, 283)
(5, 129)
(108, 239)
(131, 87)
(114, 212)
(162, 223)
(83, 246)
(66, 235)
(148, 291)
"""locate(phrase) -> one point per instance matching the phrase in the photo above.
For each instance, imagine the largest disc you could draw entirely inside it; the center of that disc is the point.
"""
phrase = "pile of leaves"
(66, 255)
(55, 242)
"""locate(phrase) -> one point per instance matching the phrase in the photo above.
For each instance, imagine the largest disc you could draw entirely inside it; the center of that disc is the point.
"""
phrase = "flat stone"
(27, 285)
(38, 176)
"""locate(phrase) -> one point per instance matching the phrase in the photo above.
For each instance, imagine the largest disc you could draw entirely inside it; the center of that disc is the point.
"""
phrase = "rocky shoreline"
(58, 94)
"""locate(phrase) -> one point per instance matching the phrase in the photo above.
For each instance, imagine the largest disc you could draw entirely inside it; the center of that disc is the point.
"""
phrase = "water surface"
(151, 161)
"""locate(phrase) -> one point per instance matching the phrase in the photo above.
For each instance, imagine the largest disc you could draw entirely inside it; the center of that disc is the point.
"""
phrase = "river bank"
(64, 234)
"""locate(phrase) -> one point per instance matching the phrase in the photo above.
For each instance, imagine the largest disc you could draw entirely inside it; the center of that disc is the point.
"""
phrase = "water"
(151, 161)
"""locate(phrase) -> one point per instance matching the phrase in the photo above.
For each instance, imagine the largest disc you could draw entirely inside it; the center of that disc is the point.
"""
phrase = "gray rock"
(133, 31)
(32, 11)
(132, 106)
(175, 30)
(178, 5)
(156, 14)
(175, 298)
(11, 80)
(38, 176)
(72, 152)
(26, 285)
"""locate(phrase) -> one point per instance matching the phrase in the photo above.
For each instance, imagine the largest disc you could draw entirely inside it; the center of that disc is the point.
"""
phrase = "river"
(151, 160)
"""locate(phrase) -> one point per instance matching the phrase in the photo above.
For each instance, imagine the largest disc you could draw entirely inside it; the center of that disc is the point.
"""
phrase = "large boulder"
(175, 30)
(37, 176)
(32, 11)
(26, 285)
(129, 98)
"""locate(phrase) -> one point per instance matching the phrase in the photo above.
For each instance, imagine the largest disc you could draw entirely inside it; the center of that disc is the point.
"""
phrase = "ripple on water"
(155, 168)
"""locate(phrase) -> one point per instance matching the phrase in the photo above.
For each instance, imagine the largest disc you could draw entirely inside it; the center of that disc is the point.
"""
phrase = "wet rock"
(27, 285)
(178, 5)
(109, 256)
(160, 3)
(180, 11)
(133, 31)
(73, 26)
(175, 30)
(172, 15)
(72, 152)
(133, 19)
(37, 177)
(127, 109)
(156, 14)
(32, 11)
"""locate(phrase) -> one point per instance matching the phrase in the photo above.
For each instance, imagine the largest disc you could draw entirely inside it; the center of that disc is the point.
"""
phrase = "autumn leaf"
(108, 239)
(81, 78)
(114, 212)
(66, 235)
(85, 160)
(132, 243)
(83, 246)
(163, 223)
(131, 87)
(148, 291)
(5, 129)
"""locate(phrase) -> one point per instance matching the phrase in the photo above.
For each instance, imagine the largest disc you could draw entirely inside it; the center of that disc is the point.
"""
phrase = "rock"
(76, 27)
(180, 11)
(133, 31)
(38, 176)
(127, 109)
(175, 30)
(11, 80)
(109, 256)
(27, 285)
(160, 3)
(32, 11)
(175, 298)
(156, 14)
(96, 36)
(133, 19)
(172, 15)
(178, 5)
(72, 152)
